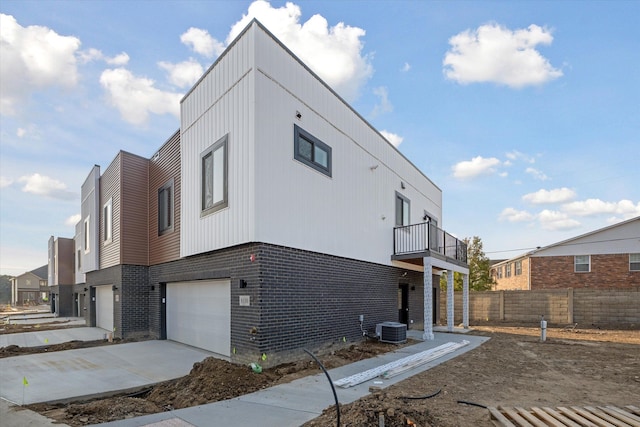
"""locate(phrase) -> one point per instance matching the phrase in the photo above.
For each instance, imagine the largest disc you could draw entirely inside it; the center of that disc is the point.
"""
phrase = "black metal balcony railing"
(425, 236)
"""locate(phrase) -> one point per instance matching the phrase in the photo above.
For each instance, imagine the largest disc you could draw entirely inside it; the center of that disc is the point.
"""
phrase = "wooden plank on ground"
(497, 415)
(615, 421)
(627, 417)
(557, 415)
(594, 418)
(515, 417)
(532, 419)
(584, 422)
(552, 422)
(633, 409)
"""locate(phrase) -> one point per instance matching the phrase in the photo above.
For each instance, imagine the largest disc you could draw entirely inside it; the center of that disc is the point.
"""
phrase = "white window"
(582, 263)
(634, 262)
(107, 217)
(403, 206)
(499, 272)
(86, 234)
(518, 268)
(165, 208)
(214, 177)
(507, 270)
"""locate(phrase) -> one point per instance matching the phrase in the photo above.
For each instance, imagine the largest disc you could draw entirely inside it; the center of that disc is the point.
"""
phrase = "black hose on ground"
(335, 395)
(479, 405)
(429, 396)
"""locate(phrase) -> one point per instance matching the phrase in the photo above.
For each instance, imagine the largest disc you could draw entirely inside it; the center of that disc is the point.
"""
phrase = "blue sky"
(526, 114)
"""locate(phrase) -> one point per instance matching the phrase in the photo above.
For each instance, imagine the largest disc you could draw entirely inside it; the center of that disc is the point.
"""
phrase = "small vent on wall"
(155, 157)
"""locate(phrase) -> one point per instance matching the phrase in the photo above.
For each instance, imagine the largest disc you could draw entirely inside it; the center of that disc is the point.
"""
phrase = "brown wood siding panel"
(110, 188)
(134, 210)
(164, 166)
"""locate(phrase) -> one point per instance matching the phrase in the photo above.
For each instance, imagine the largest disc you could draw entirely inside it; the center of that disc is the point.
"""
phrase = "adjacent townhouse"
(29, 288)
(61, 276)
(605, 258)
(275, 219)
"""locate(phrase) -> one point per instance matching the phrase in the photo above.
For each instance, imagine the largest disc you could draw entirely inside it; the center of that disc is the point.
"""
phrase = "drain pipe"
(543, 329)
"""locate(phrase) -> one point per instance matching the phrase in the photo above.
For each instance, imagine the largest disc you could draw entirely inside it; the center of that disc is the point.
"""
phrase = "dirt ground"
(574, 366)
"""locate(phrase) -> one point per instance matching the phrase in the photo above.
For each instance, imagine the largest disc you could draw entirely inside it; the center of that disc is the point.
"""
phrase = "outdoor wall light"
(298, 115)
(114, 288)
(402, 185)
(86, 289)
(243, 283)
(153, 287)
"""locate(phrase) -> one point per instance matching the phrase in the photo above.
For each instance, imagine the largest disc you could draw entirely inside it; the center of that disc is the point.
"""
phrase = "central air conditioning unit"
(391, 332)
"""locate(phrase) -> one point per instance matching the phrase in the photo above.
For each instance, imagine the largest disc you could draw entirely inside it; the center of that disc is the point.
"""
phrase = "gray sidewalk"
(302, 400)
(57, 336)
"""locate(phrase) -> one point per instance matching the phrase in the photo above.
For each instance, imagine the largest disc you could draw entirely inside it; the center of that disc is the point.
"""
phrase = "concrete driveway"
(95, 371)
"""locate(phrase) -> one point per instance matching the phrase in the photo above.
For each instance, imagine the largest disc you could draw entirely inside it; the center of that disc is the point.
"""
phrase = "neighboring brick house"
(271, 221)
(29, 288)
(605, 258)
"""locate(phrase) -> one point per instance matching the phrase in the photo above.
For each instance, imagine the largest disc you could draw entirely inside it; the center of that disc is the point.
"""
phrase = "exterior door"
(104, 307)
(403, 303)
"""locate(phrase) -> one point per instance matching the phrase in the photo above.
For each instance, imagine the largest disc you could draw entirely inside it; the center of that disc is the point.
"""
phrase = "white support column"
(450, 312)
(428, 300)
(465, 301)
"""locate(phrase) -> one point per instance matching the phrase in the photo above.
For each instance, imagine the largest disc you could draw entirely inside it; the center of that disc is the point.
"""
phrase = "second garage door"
(199, 314)
(104, 307)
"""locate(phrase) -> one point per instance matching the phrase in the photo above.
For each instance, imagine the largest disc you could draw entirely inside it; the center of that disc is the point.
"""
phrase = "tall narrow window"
(79, 263)
(582, 263)
(165, 208)
(311, 151)
(518, 268)
(634, 262)
(402, 210)
(507, 270)
(87, 248)
(107, 217)
(214, 177)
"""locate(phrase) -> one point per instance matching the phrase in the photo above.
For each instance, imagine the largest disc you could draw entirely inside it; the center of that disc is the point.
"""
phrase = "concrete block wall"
(605, 306)
(559, 306)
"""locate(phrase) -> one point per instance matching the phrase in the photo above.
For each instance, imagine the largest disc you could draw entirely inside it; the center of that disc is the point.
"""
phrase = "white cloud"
(475, 167)
(406, 67)
(92, 54)
(393, 138)
(201, 42)
(183, 74)
(554, 220)
(557, 195)
(72, 220)
(626, 208)
(384, 106)
(513, 215)
(21, 132)
(136, 97)
(334, 53)
(33, 57)
(540, 176)
(517, 155)
(493, 53)
(44, 186)
(5, 182)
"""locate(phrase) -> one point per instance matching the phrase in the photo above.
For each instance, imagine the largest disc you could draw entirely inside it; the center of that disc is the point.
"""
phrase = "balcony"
(413, 242)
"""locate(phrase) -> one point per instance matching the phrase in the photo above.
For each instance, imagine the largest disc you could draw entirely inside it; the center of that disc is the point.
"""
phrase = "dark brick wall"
(607, 271)
(299, 299)
(131, 296)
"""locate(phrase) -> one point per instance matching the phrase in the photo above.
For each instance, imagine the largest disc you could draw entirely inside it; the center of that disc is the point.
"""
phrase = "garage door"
(199, 314)
(104, 307)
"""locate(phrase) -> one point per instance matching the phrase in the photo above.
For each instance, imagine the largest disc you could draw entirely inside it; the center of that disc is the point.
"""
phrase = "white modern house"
(280, 220)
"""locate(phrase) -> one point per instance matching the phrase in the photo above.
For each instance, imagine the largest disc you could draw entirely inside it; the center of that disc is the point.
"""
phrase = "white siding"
(252, 94)
(302, 208)
(221, 103)
(90, 208)
(619, 239)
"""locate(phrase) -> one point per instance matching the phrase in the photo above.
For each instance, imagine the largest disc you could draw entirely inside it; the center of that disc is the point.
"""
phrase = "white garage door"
(104, 307)
(199, 314)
